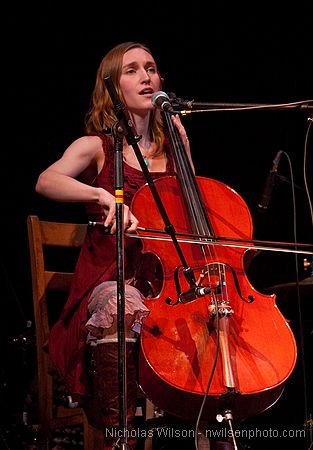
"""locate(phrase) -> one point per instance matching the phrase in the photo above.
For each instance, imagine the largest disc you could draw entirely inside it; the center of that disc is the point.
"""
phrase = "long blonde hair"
(101, 114)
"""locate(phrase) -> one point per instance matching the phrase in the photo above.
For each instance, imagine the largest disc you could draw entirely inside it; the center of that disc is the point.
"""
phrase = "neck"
(142, 127)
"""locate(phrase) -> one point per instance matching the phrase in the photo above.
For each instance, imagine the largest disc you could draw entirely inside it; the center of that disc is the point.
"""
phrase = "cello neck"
(199, 220)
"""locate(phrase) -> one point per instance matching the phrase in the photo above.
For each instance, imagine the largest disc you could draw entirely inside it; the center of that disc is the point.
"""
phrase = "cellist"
(83, 342)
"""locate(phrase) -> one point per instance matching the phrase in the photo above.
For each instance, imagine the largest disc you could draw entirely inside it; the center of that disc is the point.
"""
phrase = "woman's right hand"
(108, 202)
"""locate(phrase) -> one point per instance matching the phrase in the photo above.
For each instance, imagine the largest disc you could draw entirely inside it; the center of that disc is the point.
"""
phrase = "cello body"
(246, 353)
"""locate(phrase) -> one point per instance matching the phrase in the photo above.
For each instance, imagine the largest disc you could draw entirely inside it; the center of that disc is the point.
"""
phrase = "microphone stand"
(120, 129)
(119, 184)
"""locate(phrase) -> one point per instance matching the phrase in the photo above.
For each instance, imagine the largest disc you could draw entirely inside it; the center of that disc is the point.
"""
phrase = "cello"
(218, 338)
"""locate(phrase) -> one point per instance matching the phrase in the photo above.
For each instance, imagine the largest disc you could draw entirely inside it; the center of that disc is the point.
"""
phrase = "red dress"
(96, 263)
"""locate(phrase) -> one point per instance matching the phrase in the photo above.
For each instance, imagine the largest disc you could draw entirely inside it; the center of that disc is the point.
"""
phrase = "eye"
(130, 71)
(151, 69)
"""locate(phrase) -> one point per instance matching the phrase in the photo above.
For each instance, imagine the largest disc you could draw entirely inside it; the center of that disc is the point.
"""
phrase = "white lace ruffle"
(102, 308)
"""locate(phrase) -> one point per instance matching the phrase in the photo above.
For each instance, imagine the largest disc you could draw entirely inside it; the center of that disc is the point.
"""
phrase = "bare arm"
(58, 182)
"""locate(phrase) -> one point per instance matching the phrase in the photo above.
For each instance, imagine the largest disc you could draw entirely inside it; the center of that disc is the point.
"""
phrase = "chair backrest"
(42, 236)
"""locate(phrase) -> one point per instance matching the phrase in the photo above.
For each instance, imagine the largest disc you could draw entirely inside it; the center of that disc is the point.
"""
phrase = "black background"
(223, 54)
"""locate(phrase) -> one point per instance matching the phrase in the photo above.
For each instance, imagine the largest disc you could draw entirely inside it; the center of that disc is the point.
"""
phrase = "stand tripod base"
(228, 417)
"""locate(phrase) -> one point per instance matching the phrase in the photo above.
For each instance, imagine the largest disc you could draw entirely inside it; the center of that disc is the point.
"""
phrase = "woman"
(83, 342)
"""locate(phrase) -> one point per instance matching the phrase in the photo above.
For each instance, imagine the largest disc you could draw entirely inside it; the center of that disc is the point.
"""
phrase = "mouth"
(147, 91)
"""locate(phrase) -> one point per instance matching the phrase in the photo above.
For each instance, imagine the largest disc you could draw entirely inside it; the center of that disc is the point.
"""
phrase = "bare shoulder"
(84, 152)
(89, 148)
(86, 144)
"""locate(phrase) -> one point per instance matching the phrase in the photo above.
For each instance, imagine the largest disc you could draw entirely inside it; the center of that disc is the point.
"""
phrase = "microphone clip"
(193, 294)
(180, 102)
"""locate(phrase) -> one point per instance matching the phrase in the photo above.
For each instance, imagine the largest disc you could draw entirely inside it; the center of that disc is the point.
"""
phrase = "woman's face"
(139, 80)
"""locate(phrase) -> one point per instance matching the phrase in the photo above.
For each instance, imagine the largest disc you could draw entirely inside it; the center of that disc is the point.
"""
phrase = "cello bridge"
(214, 275)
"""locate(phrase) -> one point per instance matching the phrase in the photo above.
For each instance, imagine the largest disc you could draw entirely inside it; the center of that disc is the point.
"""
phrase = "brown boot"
(103, 409)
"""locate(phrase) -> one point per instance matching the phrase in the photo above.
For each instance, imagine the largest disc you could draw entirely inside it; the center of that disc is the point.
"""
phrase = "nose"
(145, 76)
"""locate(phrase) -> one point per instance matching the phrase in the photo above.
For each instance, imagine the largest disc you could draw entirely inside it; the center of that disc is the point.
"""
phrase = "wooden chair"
(42, 236)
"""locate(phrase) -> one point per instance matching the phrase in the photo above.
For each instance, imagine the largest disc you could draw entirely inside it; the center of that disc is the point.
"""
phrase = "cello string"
(186, 178)
(198, 218)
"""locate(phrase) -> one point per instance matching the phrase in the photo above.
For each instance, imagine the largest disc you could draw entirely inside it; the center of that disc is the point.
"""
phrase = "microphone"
(161, 100)
(194, 293)
(269, 184)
